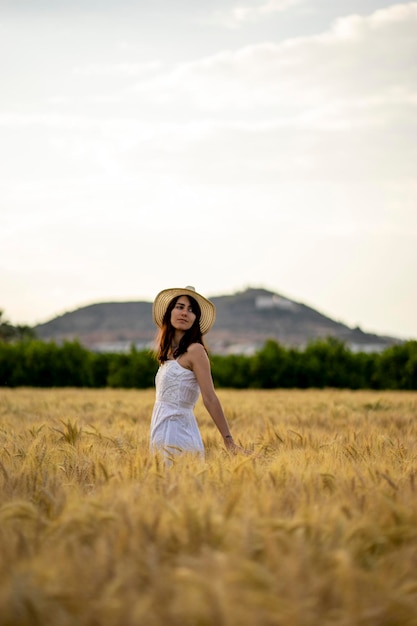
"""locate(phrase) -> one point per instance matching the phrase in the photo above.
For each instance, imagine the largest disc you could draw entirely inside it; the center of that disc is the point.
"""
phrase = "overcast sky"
(221, 144)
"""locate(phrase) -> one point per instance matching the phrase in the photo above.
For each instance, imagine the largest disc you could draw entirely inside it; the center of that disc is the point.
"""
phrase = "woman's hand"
(232, 447)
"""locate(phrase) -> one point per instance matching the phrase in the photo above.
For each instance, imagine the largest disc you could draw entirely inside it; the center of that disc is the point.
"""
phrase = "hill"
(245, 320)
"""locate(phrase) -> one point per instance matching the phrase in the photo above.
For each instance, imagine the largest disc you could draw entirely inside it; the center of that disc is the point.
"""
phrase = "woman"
(183, 317)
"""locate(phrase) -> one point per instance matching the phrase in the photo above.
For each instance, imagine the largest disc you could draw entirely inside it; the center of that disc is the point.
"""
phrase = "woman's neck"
(176, 339)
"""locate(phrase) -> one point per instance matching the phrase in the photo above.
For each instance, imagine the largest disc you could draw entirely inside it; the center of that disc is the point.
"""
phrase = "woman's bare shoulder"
(195, 357)
(196, 349)
(197, 353)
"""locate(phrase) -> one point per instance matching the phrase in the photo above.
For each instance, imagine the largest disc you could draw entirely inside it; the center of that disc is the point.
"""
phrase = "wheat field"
(317, 527)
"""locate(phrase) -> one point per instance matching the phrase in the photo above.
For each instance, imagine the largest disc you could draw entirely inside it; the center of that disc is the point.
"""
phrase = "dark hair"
(167, 331)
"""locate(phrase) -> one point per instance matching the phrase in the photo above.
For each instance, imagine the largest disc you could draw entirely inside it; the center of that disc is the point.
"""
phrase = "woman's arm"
(200, 364)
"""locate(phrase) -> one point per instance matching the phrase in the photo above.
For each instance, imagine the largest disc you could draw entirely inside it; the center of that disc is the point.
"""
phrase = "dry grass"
(317, 527)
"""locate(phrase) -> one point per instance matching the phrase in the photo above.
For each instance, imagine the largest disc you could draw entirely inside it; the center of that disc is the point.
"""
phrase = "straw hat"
(162, 300)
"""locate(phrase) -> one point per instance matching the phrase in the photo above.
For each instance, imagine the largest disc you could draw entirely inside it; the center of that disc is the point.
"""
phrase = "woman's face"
(182, 315)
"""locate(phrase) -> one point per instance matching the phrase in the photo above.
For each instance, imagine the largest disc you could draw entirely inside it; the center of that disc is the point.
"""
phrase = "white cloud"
(241, 14)
(247, 12)
(359, 57)
(339, 104)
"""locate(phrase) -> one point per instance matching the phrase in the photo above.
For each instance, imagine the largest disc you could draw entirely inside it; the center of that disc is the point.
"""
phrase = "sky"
(221, 144)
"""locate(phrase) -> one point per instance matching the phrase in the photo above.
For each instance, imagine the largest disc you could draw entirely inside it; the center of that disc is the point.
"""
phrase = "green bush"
(324, 363)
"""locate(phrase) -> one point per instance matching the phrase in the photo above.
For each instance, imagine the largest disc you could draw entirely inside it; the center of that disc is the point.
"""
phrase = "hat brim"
(162, 300)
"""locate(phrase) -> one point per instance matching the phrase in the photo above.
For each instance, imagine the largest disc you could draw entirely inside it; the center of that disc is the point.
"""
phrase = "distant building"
(275, 302)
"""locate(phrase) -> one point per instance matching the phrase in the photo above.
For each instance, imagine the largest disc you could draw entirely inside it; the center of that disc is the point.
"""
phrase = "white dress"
(174, 427)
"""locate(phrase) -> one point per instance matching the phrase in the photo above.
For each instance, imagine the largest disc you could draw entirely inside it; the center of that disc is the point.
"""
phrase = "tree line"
(324, 363)
(10, 332)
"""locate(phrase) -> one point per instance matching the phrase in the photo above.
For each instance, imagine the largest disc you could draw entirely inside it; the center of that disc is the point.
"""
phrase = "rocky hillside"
(245, 320)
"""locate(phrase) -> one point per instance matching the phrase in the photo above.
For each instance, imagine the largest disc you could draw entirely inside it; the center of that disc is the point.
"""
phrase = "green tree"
(6, 329)
(329, 363)
(271, 367)
(8, 332)
(324, 363)
(231, 371)
(100, 368)
(397, 367)
(136, 369)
